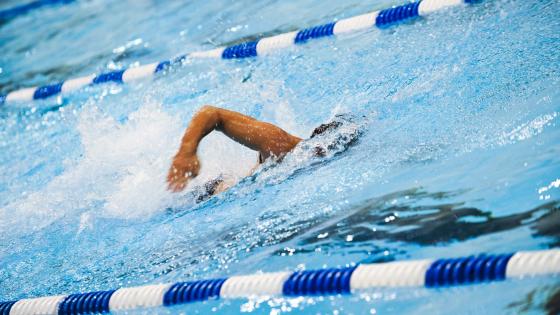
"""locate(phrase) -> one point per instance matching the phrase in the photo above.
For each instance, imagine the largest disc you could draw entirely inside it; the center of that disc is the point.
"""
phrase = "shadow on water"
(412, 216)
(552, 305)
(545, 299)
(417, 216)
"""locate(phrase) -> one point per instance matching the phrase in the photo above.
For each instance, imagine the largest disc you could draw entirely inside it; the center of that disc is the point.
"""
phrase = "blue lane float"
(444, 272)
(400, 13)
(314, 32)
(431, 274)
(47, 91)
(242, 50)
(318, 282)
(193, 291)
(115, 76)
(380, 19)
(86, 303)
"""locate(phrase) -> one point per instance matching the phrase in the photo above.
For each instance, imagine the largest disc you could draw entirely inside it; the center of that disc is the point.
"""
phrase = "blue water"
(459, 154)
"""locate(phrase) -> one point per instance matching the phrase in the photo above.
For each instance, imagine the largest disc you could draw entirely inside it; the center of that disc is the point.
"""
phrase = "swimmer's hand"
(183, 169)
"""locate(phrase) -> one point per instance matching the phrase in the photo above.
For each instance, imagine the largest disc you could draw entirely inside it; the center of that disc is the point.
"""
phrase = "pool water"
(459, 152)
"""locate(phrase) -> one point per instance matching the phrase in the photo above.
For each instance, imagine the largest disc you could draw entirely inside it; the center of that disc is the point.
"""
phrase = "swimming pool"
(459, 154)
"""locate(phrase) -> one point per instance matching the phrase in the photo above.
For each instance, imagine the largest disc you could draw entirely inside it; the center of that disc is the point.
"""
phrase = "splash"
(119, 175)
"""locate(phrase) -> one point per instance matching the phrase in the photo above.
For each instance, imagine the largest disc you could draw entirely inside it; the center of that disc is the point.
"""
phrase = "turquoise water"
(459, 154)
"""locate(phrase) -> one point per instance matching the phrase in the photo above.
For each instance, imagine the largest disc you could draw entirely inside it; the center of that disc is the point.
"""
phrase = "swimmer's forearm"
(202, 123)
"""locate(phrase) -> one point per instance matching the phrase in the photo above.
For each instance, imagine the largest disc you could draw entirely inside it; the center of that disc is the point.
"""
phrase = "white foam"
(138, 154)
(528, 129)
(122, 171)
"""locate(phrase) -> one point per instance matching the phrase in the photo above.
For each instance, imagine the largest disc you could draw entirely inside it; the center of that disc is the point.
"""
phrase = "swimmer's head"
(341, 139)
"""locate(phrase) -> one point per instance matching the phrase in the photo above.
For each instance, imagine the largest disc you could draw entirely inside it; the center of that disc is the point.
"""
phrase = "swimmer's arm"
(267, 139)
(263, 137)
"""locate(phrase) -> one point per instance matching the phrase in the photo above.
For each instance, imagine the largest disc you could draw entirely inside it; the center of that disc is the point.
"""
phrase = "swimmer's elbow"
(207, 109)
(212, 114)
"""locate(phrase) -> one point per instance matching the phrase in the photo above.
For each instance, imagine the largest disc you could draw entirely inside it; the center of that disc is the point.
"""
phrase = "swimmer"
(270, 141)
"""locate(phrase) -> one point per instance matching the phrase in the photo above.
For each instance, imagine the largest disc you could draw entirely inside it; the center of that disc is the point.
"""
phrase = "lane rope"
(263, 46)
(427, 273)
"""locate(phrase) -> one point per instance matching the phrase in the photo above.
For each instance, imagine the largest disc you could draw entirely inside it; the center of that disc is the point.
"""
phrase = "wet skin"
(267, 139)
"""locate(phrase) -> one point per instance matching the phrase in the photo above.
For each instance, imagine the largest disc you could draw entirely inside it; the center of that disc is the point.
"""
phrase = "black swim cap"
(332, 125)
(342, 139)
